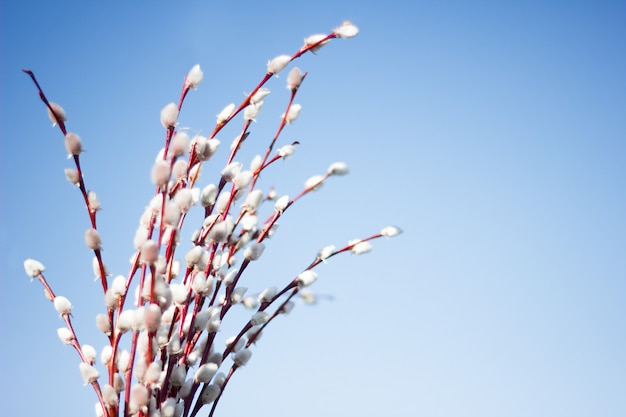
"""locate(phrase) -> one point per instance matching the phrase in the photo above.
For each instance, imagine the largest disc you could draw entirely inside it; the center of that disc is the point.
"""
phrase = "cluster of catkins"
(173, 367)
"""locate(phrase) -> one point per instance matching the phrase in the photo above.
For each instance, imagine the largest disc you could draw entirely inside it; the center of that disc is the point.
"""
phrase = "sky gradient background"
(493, 133)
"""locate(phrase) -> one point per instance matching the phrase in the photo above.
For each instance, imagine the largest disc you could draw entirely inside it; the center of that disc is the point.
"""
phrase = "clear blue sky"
(493, 133)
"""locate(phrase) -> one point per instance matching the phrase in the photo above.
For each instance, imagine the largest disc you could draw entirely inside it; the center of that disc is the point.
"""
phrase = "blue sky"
(492, 132)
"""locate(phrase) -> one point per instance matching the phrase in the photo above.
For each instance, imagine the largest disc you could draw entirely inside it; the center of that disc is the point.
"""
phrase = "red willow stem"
(242, 106)
(47, 287)
(266, 78)
(114, 338)
(170, 130)
(134, 268)
(246, 102)
(240, 140)
(293, 287)
(81, 182)
(269, 222)
(75, 344)
(283, 122)
(129, 372)
(43, 98)
(227, 303)
(234, 367)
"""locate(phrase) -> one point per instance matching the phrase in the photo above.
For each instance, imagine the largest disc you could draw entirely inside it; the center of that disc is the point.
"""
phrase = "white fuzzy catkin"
(171, 215)
(325, 252)
(390, 231)
(249, 222)
(237, 346)
(109, 395)
(139, 395)
(180, 144)
(219, 379)
(92, 239)
(89, 352)
(260, 94)
(360, 248)
(237, 294)
(250, 302)
(294, 79)
(94, 203)
(221, 230)
(208, 195)
(194, 77)
(204, 148)
(193, 256)
(57, 115)
(281, 204)
(242, 179)
(252, 111)
(210, 393)
(111, 300)
(255, 164)
(168, 408)
(306, 278)
(225, 113)
(293, 113)
(346, 30)
(231, 170)
(254, 251)
(286, 151)
(179, 294)
(242, 357)
(205, 372)
(179, 171)
(160, 173)
(118, 382)
(149, 252)
(73, 144)
(33, 267)
(313, 39)
(338, 168)
(308, 297)
(95, 265)
(169, 115)
(103, 323)
(315, 182)
(213, 325)
(255, 333)
(286, 309)
(259, 318)
(125, 320)
(105, 355)
(253, 200)
(152, 317)
(177, 378)
(268, 294)
(153, 372)
(199, 283)
(62, 305)
(72, 176)
(278, 64)
(123, 360)
(118, 285)
(65, 335)
(89, 373)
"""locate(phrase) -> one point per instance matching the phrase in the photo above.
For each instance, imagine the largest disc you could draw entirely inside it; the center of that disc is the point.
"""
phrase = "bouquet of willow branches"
(173, 366)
